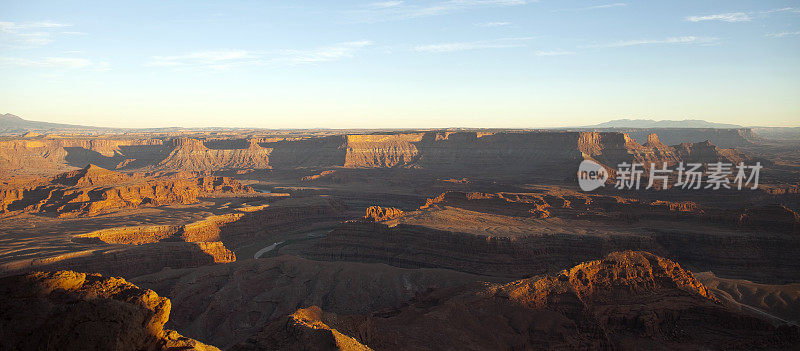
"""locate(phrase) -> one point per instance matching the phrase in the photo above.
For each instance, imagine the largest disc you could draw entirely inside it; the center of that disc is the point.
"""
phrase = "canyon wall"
(476, 152)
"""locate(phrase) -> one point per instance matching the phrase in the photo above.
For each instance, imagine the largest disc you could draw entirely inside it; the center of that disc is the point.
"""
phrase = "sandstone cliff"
(192, 155)
(550, 154)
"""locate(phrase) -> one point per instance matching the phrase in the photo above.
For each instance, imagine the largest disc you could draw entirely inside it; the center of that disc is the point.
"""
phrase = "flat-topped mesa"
(192, 155)
(189, 144)
(382, 150)
(45, 309)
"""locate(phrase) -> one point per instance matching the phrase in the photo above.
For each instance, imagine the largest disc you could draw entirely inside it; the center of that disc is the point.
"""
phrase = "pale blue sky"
(440, 63)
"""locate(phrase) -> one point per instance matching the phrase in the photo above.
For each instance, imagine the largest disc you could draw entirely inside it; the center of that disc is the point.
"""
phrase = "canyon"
(441, 151)
(383, 240)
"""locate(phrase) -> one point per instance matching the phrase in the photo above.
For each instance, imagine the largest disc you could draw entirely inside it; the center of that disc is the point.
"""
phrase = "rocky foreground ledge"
(627, 300)
(67, 310)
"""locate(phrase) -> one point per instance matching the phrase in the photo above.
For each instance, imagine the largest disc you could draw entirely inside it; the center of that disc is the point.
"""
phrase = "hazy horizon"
(411, 127)
(400, 64)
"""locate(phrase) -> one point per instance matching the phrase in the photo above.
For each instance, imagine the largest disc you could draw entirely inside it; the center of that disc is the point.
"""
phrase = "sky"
(399, 64)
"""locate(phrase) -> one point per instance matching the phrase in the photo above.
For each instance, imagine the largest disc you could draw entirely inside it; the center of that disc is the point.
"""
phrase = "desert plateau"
(399, 175)
(390, 239)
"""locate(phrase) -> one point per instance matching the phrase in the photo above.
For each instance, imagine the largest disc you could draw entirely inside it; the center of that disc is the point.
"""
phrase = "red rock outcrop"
(66, 310)
(93, 190)
(89, 176)
(378, 214)
(628, 300)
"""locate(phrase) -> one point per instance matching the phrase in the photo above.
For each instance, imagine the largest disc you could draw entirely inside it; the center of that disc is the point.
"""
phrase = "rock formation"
(67, 310)
(628, 300)
(302, 330)
(92, 190)
(520, 153)
(192, 155)
(378, 214)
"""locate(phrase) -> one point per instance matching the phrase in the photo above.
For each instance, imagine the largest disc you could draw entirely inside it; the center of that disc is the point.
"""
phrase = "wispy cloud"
(784, 9)
(473, 45)
(202, 58)
(383, 4)
(725, 17)
(783, 34)
(321, 54)
(671, 40)
(12, 26)
(398, 10)
(492, 24)
(28, 33)
(224, 59)
(741, 16)
(553, 53)
(595, 7)
(55, 62)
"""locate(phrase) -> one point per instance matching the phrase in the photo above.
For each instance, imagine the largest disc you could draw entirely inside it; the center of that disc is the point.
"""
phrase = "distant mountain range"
(649, 123)
(14, 124)
(11, 124)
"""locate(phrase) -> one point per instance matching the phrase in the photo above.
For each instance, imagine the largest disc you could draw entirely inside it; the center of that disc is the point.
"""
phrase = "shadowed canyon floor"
(437, 240)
